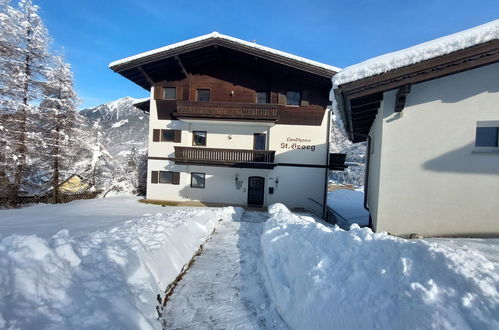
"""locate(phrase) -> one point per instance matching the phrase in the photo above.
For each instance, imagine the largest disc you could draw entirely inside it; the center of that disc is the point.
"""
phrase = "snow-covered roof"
(415, 54)
(216, 35)
(142, 100)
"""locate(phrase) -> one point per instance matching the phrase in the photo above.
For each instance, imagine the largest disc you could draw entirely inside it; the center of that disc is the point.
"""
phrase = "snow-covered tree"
(62, 136)
(8, 35)
(24, 65)
(101, 167)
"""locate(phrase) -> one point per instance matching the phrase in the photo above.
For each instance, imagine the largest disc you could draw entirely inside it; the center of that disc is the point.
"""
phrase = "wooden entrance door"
(256, 186)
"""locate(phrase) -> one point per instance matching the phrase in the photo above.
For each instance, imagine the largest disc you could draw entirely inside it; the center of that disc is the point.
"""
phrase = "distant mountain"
(121, 125)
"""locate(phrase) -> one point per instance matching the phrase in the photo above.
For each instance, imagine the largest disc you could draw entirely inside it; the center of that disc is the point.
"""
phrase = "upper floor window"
(259, 141)
(203, 95)
(170, 93)
(487, 135)
(166, 135)
(293, 98)
(199, 138)
(262, 97)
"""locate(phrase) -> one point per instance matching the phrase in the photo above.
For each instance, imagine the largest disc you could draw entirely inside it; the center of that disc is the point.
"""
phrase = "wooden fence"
(49, 199)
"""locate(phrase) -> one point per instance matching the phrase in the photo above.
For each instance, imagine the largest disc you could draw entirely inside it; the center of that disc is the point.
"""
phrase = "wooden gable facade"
(233, 73)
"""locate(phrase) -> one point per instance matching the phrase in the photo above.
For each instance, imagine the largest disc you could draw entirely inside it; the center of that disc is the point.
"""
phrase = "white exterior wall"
(294, 144)
(432, 180)
(374, 167)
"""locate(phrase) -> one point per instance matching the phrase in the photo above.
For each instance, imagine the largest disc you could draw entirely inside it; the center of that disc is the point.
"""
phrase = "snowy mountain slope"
(121, 125)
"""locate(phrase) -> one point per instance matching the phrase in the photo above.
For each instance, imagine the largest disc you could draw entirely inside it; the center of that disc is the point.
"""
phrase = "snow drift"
(104, 279)
(321, 277)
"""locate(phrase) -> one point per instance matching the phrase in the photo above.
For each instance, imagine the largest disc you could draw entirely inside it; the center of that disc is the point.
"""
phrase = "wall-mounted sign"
(298, 143)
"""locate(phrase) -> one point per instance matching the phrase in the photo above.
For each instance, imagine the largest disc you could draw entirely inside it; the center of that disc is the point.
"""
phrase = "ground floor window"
(197, 180)
(165, 177)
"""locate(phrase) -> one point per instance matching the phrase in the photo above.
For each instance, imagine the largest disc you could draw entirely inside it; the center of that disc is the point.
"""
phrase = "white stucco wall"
(432, 181)
(294, 188)
(374, 167)
(293, 144)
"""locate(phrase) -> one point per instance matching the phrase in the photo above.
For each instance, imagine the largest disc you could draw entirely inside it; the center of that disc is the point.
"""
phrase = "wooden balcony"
(226, 110)
(337, 162)
(225, 157)
(252, 112)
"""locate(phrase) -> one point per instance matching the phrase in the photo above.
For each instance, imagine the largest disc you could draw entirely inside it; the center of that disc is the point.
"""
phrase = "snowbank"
(103, 279)
(321, 277)
(425, 51)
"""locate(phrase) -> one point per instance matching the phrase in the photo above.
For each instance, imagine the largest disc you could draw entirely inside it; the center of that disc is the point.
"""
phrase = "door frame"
(263, 190)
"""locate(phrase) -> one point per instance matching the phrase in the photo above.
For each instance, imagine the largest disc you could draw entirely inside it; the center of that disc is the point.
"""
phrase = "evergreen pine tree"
(25, 66)
(8, 44)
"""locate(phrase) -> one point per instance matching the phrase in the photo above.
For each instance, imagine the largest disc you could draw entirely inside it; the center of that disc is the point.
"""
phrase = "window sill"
(486, 150)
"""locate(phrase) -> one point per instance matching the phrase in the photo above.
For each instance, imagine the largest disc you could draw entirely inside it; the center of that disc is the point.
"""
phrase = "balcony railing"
(337, 162)
(228, 110)
(225, 157)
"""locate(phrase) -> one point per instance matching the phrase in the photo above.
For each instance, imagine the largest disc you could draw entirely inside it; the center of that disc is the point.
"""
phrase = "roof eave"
(214, 39)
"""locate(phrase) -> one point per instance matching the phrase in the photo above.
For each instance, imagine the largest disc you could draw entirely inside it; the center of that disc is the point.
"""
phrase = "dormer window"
(170, 93)
(262, 97)
(293, 98)
(203, 95)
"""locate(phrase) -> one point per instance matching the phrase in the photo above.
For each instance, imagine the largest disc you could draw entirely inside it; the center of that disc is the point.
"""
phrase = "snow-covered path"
(224, 288)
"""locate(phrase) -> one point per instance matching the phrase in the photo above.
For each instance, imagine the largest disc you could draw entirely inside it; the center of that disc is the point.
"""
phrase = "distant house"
(234, 122)
(431, 116)
(74, 184)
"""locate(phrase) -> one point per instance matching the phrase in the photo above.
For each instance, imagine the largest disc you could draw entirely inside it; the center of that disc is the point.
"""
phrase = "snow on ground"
(224, 288)
(348, 206)
(425, 51)
(95, 264)
(320, 276)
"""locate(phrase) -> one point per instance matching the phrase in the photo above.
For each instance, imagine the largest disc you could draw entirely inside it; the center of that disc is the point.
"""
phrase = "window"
(487, 136)
(170, 93)
(165, 177)
(203, 95)
(262, 97)
(293, 98)
(259, 141)
(197, 180)
(166, 135)
(199, 138)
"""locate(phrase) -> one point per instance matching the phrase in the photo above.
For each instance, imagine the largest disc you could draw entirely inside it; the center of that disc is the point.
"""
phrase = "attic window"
(170, 93)
(262, 97)
(203, 95)
(293, 98)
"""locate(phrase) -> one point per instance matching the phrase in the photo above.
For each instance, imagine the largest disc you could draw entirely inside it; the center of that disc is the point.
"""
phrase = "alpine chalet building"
(234, 122)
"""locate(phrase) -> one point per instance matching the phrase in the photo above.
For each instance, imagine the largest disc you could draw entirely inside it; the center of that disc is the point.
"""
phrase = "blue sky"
(337, 32)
